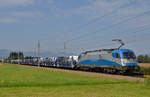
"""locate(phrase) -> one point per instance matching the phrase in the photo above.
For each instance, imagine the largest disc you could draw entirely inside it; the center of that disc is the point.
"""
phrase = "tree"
(140, 59)
(16, 55)
(20, 55)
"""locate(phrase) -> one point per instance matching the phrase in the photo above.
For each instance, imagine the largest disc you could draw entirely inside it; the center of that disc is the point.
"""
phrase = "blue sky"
(84, 24)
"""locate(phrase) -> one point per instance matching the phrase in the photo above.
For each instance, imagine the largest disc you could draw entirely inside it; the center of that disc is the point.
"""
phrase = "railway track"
(134, 76)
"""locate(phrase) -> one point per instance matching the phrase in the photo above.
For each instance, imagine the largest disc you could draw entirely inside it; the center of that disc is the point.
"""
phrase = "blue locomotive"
(109, 60)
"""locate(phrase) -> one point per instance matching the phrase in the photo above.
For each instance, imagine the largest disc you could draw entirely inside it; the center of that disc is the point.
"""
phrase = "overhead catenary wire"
(111, 44)
(100, 46)
(125, 36)
(111, 26)
(95, 20)
(137, 29)
(88, 48)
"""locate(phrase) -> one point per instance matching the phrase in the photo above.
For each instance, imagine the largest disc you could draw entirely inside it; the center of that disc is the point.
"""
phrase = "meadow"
(26, 81)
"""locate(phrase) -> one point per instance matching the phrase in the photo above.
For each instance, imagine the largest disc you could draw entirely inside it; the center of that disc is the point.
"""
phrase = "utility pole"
(18, 57)
(38, 53)
(65, 49)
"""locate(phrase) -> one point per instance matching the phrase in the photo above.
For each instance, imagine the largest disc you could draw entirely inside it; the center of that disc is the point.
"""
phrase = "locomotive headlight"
(124, 61)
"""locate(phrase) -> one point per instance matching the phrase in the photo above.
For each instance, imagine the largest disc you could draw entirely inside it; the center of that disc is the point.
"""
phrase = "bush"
(145, 71)
(143, 59)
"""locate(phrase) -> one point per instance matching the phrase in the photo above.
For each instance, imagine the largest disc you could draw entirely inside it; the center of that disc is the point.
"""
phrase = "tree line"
(143, 59)
(19, 55)
(16, 55)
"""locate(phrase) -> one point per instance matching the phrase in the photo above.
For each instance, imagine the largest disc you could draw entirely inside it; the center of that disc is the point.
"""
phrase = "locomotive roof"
(99, 50)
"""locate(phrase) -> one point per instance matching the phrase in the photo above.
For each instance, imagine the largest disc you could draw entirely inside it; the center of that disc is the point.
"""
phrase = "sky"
(81, 24)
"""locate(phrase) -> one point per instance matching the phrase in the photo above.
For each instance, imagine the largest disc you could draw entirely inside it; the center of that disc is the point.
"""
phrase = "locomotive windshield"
(129, 55)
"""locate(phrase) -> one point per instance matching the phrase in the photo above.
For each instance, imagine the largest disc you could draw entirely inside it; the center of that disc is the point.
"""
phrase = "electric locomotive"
(109, 60)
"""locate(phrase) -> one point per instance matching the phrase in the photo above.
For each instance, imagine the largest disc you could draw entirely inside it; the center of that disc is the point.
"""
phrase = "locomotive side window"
(117, 55)
(100, 57)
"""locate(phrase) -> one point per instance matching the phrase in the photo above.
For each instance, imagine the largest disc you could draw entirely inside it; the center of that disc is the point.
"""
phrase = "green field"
(24, 81)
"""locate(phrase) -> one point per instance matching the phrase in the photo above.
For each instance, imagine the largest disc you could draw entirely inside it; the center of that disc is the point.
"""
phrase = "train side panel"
(98, 59)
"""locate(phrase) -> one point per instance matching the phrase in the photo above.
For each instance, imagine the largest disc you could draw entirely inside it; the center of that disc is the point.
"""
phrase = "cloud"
(26, 14)
(10, 3)
(8, 20)
(4, 3)
(21, 17)
(50, 1)
(29, 12)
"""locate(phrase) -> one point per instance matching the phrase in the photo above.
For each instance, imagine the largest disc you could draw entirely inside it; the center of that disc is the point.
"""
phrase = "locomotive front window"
(129, 55)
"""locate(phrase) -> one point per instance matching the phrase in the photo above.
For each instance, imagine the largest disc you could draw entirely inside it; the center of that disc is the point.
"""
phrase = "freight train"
(105, 60)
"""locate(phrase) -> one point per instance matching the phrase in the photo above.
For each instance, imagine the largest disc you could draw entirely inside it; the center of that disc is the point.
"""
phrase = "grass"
(145, 68)
(24, 81)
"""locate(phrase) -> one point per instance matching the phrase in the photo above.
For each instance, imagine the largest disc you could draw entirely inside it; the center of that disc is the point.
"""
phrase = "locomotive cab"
(125, 57)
